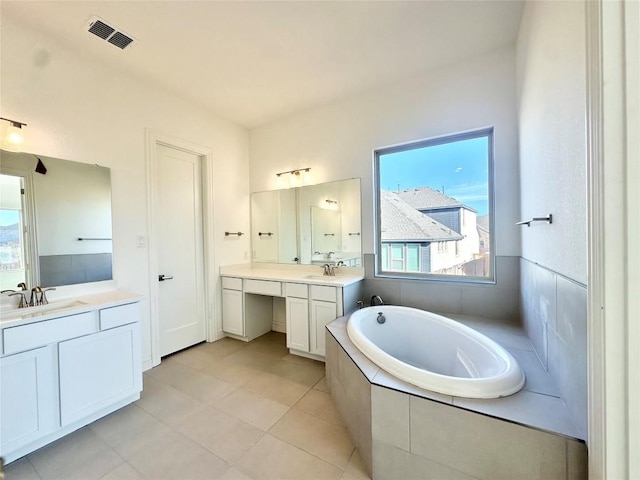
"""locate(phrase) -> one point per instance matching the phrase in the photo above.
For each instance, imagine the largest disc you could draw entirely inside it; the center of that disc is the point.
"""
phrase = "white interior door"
(181, 296)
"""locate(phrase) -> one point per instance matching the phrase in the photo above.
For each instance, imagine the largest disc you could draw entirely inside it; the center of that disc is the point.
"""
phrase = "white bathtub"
(434, 352)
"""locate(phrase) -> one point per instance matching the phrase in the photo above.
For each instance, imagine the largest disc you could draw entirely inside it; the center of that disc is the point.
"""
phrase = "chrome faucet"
(34, 300)
(378, 299)
(328, 269)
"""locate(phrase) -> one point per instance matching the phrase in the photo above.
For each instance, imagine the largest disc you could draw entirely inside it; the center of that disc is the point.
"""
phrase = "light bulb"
(13, 138)
(294, 180)
(280, 181)
(306, 176)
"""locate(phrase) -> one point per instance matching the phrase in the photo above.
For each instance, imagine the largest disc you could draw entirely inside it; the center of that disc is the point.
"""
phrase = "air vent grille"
(101, 29)
(120, 40)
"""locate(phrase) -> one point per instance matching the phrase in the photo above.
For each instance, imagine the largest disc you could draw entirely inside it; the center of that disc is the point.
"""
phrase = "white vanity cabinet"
(60, 372)
(297, 316)
(250, 304)
(324, 309)
(232, 306)
(28, 397)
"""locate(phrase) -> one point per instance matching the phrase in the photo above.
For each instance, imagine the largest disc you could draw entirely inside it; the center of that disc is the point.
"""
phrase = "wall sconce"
(297, 177)
(13, 136)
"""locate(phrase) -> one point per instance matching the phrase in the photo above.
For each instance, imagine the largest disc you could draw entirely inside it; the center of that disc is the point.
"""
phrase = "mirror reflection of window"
(13, 254)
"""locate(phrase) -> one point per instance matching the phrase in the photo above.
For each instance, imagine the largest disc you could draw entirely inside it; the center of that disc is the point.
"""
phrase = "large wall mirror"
(314, 224)
(55, 221)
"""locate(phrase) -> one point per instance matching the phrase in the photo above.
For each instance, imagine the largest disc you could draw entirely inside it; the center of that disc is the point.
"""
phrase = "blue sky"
(9, 217)
(461, 168)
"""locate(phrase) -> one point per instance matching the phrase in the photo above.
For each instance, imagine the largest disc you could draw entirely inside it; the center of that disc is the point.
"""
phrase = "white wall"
(552, 109)
(79, 110)
(337, 141)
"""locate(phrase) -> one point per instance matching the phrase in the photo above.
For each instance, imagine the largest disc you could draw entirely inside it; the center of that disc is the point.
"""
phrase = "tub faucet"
(376, 300)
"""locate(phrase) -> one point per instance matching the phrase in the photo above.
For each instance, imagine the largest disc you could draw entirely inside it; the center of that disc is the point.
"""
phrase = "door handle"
(162, 278)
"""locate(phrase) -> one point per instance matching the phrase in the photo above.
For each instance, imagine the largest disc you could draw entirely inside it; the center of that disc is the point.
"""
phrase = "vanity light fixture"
(331, 204)
(14, 135)
(298, 177)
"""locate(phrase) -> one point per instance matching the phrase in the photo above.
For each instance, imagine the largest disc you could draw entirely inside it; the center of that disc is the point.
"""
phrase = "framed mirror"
(55, 221)
(313, 224)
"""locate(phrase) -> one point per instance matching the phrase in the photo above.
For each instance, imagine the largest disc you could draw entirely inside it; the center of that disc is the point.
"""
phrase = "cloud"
(458, 170)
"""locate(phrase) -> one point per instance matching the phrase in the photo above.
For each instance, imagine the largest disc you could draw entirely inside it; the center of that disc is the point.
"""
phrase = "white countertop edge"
(91, 302)
(294, 273)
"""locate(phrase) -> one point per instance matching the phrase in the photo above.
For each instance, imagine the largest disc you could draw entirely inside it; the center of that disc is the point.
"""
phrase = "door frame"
(153, 139)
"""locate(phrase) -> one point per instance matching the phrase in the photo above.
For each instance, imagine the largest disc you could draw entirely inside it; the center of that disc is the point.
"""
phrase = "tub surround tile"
(390, 417)
(537, 379)
(554, 309)
(356, 467)
(570, 374)
(392, 463)
(507, 335)
(491, 302)
(526, 408)
(432, 297)
(491, 449)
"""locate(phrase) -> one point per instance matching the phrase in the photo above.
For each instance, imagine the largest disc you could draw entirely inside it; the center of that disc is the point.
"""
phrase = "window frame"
(379, 271)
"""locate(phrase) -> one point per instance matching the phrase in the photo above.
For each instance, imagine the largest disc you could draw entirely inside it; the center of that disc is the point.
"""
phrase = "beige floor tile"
(20, 470)
(276, 388)
(307, 375)
(205, 388)
(170, 371)
(129, 430)
(319, 404)
(348, 476)
(79, 455)
(356, 467)
(231, 373)
(177, 457)
(166, 403)
(221, 433)
(221, 348)
(252, 408)
(234, 474)
(274, 347)
(318, 437)
(322, 385)
(252, 359)
(195, 357)
(123, 472)
(273, 459)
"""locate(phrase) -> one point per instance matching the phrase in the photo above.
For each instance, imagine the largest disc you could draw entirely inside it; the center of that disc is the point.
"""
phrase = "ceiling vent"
(107, 32)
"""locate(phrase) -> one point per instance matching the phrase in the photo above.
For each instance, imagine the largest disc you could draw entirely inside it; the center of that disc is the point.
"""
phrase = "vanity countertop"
(66, 306)
(294, 273)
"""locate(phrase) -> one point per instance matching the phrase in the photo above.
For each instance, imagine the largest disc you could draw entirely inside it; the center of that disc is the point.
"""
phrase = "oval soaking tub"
(434, 352)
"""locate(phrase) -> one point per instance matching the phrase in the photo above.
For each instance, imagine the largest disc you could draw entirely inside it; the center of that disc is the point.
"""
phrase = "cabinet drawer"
(321, 292)
(263, 287)
(120, 315)
(25, 337)
(232, 283)
(298, 290)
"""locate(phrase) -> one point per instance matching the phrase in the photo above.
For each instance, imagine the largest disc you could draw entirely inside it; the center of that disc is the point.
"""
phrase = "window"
(434, 208)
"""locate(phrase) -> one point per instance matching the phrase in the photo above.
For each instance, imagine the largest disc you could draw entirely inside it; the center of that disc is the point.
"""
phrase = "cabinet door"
(232, 312)
(98, 370)
(321, 314)
(28, 397)
(298, 323)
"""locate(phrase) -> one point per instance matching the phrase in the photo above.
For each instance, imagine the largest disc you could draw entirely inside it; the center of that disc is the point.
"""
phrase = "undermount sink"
(325, 278)
(50, 307)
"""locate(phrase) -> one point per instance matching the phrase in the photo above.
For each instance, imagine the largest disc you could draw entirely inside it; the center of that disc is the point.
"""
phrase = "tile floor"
(225, 410)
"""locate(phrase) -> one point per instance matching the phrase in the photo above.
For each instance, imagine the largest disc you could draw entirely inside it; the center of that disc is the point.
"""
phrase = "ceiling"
(253, 62)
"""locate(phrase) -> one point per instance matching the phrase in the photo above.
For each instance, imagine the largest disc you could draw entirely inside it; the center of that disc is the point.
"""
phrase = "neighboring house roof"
(483, 222)
(401, 222)
(427, 198)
